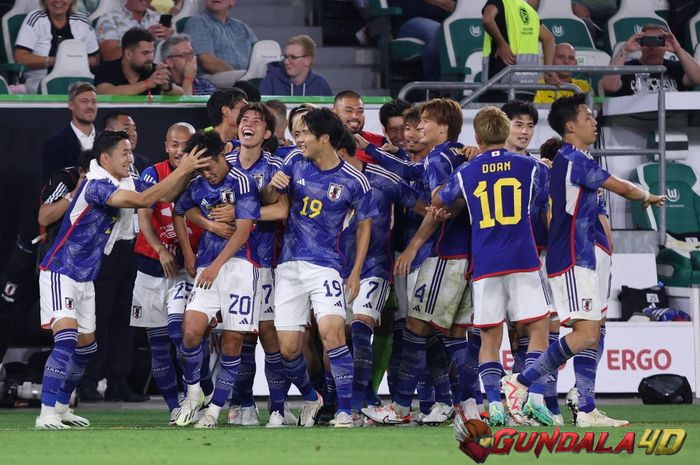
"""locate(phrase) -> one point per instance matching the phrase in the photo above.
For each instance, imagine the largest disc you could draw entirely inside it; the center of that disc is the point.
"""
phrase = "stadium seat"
(189, 8)
(677, 265)
(264, 52)
(693, 32)
(71, 66)
(629, 19)
(103, 7)
(11, 23)
(592, 57)
(473, 67)
(461, 34)
(559, 18)
(4, 89)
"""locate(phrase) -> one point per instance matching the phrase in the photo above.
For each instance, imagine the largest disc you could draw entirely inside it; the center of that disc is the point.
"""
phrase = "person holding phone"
(135, 13)
(654, 40)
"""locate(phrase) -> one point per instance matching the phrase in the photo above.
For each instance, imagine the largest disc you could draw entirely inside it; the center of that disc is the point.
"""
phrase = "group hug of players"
(298, 252)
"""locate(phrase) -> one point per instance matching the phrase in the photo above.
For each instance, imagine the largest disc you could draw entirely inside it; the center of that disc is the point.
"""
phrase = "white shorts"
(576, 295)
(267, 289)
(403, 287)
(62, 297)
(547, 288)
(235, 292)
(370, 301)
(157, 297)
(603, 262)
(300, 286)
(442, 294)
(518, 296)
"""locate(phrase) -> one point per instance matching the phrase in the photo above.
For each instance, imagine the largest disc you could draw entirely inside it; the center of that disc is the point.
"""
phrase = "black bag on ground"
(634, 300)
(665, 389)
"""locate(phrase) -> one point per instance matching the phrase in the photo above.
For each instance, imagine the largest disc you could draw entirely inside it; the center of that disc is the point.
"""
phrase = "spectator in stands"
(62, 148)
(683, 74)
(350, 108)
(501, 50)
(564, 55)
(421, 20)
(119, 120)
(134, 73)
(112, 26)
(41, 33)
(293, 75)
(176, 52)
(222, 44)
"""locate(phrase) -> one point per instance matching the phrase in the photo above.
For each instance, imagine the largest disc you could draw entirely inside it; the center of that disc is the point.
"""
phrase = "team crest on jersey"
(10, 289)
(335, 191)
(70, 303)
(136, 311)
(259, 180)
(228, 196)
(587, 305)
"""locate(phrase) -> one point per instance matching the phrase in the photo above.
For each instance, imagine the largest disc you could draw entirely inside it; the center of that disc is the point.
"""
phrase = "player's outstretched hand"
(224, 230)
(194, 160)
(207, 277)
(546, 162)
(438, 214)
(280, 180)
(352, 288)
(223, 213)
(168, 263)
(389, 147)
(402, 266)
(470, 151)
(656, 200)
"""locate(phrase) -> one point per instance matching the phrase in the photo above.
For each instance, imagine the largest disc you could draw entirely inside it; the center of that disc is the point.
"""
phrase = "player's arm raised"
(631, 191)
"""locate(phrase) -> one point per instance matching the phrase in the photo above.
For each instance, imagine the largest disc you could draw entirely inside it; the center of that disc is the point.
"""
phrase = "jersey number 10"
(482, 193)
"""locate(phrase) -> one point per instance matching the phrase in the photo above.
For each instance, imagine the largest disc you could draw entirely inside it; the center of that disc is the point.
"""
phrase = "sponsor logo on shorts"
(335, 191)
(587, 305)
(69, 303)
(136, 311)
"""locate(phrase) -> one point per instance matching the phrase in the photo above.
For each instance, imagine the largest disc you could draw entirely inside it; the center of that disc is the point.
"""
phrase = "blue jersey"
(263, 235)
(574, 181)
(540, 208)
(321, 206)
(498, 187)
(283, 152)
(387, 189)
(84, 231)
(237, 189)
(399, 165)
(601, 239)
(453, 237)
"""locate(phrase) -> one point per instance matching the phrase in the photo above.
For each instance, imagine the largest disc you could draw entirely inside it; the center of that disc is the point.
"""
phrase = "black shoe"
(326, 414)
(123, 393)
(90, 394)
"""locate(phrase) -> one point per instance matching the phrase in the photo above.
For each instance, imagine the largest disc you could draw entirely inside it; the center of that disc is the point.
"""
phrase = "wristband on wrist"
(187, 78)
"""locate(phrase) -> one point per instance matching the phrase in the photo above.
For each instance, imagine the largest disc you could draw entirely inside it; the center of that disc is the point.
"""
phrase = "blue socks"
(439, 370)
(520, 354)
(538, 386)
(225, 378)
(296, 373)
(192, 363)
(55, 369)
(411, 368)
(491, 374)
(362, 359)
(205, 377)
(329, 394)
(585, 363)
(474, 348)
(243, 390)
(75, 371)
(162, 368)
(342, 369)
(458, 347)
(426, 393)
(276, 381)
(551, 360)
(175, 328)
(551, 399)
(392, 371)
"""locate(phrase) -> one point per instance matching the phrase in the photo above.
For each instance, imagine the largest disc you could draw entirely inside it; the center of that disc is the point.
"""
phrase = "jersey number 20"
(482, 194)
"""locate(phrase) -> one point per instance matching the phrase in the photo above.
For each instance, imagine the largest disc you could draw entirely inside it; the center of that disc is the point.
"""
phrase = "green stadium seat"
(461, 34)
(71, 66)
(406, 49)
(630, 18)
(4, 89)
(189, 8)
(103, 7)
(11, 23)
(559, 18)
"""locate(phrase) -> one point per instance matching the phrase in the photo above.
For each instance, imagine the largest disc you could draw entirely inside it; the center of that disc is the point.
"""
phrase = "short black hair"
(250, 90)
(84, 159)
(564, 109)
(322, 121)
(392, 109)
(347, 142)
(209, 140)
(112, 116)
(520, 107)
(106, 141)
(263, 111)
(271, 145)
(346, 94)
(223, 98)
(132, 37)
(550, 147)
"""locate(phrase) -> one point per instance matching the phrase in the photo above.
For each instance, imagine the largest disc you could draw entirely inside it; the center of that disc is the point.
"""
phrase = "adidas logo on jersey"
(338, 304)
(416, 308)
(269, 310)
(301, 182)
(244, 321)
(368, 305)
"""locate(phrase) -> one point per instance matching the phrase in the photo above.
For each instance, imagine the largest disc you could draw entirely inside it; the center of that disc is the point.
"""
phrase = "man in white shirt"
(62, 148)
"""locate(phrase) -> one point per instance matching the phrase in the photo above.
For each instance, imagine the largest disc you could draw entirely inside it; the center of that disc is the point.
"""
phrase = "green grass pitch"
(134, 437)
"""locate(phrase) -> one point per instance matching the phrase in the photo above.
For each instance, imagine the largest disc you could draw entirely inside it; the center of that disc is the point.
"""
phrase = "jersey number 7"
(482, 193)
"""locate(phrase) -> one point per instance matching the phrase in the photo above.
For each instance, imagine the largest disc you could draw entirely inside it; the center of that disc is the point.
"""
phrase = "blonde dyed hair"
(491, 126)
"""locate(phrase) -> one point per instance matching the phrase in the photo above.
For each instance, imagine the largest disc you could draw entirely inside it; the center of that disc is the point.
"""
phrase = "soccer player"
(388, 189)
(227, 277)
(498, 188)
(324, 193)
(72, 263)
(162, 285)
(575, 178)
(223, 107)
(392, 121)
(441, 297)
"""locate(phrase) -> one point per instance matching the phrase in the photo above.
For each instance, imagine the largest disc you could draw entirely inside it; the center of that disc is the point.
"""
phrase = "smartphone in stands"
(166, 20)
